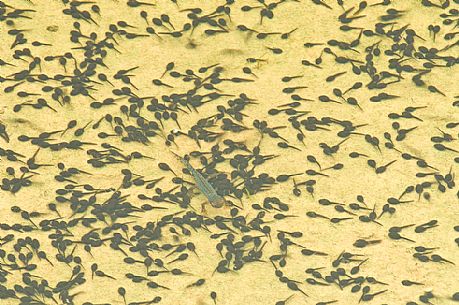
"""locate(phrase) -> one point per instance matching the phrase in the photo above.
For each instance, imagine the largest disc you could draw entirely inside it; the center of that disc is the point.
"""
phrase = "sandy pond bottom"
(289, 72)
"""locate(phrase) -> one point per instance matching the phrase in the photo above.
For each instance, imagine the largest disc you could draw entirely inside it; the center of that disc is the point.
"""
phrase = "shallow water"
(389, 261)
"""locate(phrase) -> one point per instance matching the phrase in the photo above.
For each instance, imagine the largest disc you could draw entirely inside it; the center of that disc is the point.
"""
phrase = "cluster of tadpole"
(118, 198)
